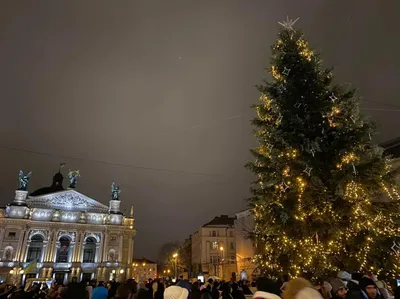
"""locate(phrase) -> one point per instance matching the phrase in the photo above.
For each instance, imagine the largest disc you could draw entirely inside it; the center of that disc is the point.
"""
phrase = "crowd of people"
(344, 286)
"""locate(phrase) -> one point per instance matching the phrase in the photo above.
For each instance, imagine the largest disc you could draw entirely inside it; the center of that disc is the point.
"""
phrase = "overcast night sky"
(155, 95)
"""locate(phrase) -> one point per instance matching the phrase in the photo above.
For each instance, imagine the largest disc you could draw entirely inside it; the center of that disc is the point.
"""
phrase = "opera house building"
(59, 234)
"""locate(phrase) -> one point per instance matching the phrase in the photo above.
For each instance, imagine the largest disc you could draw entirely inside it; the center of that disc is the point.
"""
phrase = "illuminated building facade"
(143, 269)
(60, 233)
(214, 248)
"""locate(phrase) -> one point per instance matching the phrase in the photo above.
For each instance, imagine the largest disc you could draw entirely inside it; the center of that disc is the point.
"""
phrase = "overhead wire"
(106, 162)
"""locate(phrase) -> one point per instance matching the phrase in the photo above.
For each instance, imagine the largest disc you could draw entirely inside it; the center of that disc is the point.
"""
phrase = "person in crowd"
(75, 290)
(237, 293)
(142, 292)
(246, 288)
(344, 276)
(100, 292)
(205, 292)
(354, 291)
(300, 288)
(266, 289)
(382, 286)
(226, 291)
(339, 290)
(215, 290)
(195, 291)
(124, 291)
(285, 282)
(159, 294)
(209, 283)
(369, 287)
(176, 292)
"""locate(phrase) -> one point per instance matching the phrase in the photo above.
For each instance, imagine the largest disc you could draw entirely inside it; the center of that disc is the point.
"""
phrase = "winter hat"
(175, 292)
(328, 287)
(337, 284)
(343, 275)
(373, 277)
(294, 286)
(365, 281)
(308, 293)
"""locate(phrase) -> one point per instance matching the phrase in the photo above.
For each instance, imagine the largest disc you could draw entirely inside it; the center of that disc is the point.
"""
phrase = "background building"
(60, 233)
(214, 248)
(245, 249)
(143, 269)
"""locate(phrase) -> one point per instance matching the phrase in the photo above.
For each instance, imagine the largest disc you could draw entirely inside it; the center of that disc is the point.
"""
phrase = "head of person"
(338, 288)
(176, 292)
(369, 287)
(268, 285)
(300, 288)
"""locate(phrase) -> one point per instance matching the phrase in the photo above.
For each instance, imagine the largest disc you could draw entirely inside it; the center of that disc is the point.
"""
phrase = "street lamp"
(222, 257)
(175, 255)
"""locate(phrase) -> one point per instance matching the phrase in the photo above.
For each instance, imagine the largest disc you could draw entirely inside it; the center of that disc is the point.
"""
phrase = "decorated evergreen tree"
(318, 172)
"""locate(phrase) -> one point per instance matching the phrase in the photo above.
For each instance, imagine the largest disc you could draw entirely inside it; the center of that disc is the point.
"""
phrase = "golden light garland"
(313, 251)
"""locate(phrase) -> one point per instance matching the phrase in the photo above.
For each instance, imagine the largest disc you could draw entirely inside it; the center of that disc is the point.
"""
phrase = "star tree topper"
(288, 24)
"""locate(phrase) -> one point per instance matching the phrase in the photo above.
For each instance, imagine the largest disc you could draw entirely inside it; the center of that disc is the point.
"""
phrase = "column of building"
(22, 236)
(25, 247)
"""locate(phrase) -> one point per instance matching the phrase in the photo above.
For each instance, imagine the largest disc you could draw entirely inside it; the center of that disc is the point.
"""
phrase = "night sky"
(155, 95)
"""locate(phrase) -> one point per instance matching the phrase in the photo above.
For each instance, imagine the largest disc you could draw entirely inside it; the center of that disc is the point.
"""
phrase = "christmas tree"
(318, 171)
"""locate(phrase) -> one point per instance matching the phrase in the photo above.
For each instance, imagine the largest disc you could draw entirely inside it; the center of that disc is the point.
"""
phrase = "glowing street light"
(175, 256)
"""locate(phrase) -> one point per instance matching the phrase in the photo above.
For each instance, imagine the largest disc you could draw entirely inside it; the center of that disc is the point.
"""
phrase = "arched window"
(62, 253)
(35, 249)
(8, 253)
(89, 250)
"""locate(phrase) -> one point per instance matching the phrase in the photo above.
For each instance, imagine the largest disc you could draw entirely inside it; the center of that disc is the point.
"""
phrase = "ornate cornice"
(67, 200)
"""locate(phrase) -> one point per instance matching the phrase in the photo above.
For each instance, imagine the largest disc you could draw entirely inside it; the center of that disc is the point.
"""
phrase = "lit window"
(214, 245)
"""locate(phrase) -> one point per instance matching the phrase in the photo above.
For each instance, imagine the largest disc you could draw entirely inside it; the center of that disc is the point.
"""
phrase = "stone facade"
(245, 249)
(143, 269)
(64, 234)
(214, 248)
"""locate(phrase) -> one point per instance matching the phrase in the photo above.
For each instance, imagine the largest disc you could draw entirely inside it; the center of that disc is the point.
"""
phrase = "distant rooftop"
(223, 220)
(143, 260)
(392, 147)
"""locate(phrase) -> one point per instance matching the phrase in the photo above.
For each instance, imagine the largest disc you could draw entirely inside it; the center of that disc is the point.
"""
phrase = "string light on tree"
(336, 200)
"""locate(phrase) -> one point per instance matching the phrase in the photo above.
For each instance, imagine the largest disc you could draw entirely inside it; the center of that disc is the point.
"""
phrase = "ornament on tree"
(333, 98)
(297, 105)
(308, 170)
(279, 119)
(281, 88)
(311, 150)
(369, 135)
(396, 248)
(284, 186)
(354, 169)
(270, 146)
(353, 119)
(316, 238)
(286, 71)
(288, 24)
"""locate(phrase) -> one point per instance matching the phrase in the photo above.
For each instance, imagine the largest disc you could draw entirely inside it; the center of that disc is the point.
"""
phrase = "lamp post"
(222, 257)
(175, 255)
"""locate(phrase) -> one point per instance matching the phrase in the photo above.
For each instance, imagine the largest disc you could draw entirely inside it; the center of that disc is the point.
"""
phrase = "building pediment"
(67, 200)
